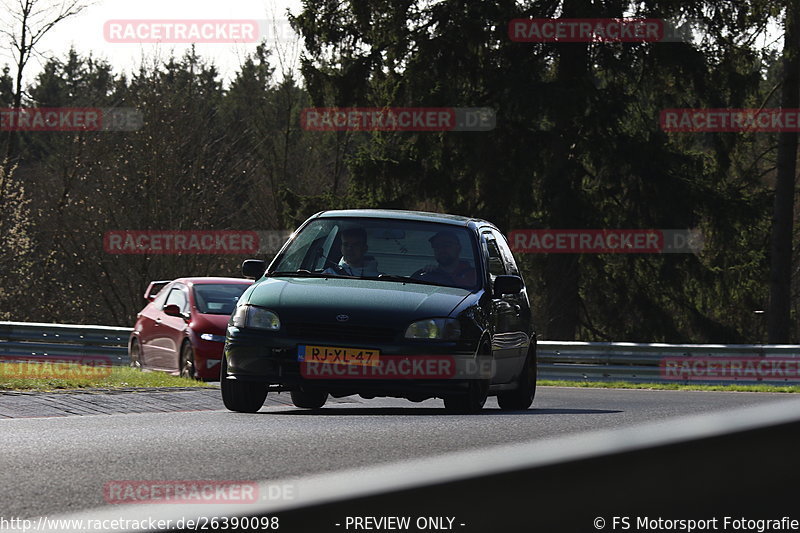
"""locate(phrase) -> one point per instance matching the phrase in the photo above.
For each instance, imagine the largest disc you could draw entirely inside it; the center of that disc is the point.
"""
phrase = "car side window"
(177, 297)
(505, 252)
(158, 302)
(327, 250)
(496, 265)
(306, 249)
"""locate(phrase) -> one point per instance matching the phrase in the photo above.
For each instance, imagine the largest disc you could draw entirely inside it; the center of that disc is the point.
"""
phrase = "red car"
(182, 329)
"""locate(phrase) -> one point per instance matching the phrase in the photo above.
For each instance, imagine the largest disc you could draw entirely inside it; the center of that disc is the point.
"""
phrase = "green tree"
(783, 215)
(577, 144)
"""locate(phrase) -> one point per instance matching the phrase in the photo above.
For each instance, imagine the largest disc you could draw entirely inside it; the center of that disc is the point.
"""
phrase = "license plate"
(338, 355)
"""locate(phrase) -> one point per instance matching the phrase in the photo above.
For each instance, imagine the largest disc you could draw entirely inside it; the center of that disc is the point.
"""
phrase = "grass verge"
(120, 377)
(667, 386)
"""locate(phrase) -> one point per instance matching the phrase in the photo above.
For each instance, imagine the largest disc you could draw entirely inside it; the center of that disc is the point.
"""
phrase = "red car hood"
(215, 324)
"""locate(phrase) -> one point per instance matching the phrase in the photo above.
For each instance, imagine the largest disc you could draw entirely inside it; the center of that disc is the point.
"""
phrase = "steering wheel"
(434, 276)
(421, 273)
(336, 267)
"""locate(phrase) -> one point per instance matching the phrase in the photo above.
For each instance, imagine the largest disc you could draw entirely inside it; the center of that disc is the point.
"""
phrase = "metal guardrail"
(643, 363)
(558, 360)
(31, 339)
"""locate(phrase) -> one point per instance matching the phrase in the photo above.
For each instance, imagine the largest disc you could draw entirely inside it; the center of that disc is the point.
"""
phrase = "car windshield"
(218, 298)
(384, 250)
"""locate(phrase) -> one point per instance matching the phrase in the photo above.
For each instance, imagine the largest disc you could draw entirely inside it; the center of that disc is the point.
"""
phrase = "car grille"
(338, 332)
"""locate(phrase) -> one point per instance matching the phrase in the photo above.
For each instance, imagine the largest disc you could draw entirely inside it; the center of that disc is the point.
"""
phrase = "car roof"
(424, 216)
(209, 279)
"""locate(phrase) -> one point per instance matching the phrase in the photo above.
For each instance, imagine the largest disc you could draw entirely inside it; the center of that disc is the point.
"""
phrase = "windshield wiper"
(403, 279)
(302, 273)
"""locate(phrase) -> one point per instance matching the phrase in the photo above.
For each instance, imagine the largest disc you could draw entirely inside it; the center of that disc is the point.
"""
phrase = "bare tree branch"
(34, 19)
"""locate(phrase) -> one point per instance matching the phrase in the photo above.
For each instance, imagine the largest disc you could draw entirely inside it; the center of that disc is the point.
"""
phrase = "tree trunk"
(779, 328)
(562, 185)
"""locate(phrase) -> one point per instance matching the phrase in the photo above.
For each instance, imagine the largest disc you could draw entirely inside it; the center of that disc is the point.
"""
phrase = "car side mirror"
(507, 285)
(253, 268)
(173, 310)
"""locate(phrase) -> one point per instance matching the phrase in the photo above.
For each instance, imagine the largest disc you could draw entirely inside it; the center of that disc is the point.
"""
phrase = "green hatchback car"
(384, 303)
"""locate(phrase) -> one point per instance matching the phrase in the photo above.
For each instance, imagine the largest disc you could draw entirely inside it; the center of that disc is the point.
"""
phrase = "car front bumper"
(272, 358)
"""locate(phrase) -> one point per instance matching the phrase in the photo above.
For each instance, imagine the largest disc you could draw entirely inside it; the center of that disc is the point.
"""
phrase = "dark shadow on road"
(428, 411)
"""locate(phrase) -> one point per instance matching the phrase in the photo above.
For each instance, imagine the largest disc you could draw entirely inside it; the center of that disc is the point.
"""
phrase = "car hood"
(363, 301)
(205, 323)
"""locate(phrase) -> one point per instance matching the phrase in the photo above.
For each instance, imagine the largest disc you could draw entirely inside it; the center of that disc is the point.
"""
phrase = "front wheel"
(521, 398)
(473, 400)
(240, 396)
(470, 402)
(187, 362)
(309, 399)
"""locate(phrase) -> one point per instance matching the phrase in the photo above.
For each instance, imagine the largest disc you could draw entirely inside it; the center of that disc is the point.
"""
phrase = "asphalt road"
(60, 464)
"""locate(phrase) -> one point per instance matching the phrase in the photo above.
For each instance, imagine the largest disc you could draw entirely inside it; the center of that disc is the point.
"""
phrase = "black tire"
(309, 399)
(135, 355)
(521, 398)
(473, 400)
(470, 402)
(240, 396)
(186, 362)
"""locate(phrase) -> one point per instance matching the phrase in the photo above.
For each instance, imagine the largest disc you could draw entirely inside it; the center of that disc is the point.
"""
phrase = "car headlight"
(213, 338)
(248, 316)
(434, 328)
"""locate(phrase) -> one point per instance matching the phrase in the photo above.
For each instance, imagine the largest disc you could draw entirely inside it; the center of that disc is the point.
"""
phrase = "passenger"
(450, 270)
(354, 260)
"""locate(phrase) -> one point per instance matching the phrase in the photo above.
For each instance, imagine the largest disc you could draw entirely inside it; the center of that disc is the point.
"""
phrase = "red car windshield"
(217, 298)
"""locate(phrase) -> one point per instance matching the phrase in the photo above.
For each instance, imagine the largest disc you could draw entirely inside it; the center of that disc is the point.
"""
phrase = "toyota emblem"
(342, 318)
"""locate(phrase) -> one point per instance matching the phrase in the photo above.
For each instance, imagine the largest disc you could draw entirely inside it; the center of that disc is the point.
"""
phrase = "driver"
(450, 269)
(354, 260)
